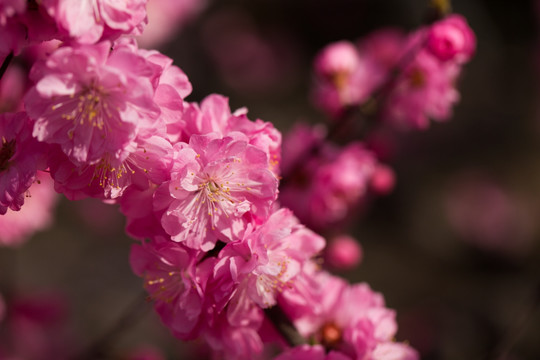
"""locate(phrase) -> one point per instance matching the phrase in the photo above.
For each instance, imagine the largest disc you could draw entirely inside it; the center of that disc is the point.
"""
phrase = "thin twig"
(284, 326)
(5, 64)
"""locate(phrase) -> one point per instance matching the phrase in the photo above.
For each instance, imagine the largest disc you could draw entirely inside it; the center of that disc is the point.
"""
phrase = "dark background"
(455, 297)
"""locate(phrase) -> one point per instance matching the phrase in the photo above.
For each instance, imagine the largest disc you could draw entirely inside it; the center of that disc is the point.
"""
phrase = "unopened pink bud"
(383, 180)
(452, 38)
(344, 252)
(339, 57)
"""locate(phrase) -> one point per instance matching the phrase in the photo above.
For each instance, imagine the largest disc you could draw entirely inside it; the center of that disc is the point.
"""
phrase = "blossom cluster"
(198, 182)
(429, 61)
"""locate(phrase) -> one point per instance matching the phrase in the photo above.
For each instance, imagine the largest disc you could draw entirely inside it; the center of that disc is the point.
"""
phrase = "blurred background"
(455, 248)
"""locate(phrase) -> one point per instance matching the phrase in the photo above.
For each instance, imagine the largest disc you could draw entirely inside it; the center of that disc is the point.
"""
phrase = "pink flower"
(214, 115)
(452, 38)
(351, 320)
(383, 49)
(35, 215)
(218, 185)
(266, 261)
(424, 90)
(141, 220)
(148, 163)
(172, 88)
(174, 283)
(488, 215)
(89, 21)
(92, 101)
(342, 77)
(236, 341)
(20, 157)
(343, 252)
(325, 188)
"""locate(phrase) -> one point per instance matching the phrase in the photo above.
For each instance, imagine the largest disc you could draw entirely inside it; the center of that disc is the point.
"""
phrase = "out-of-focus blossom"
(383, 180)
(89, 21)
(343, 252)
(341, 76)
(20, 157)
(324, 188)
(485, 214)
(413, 76)
(249, 60)
(37, 328)
(425, 90)
(35, 215)
(166, 18)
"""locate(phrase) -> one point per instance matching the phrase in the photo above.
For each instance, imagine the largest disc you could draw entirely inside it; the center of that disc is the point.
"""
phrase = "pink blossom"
(174, 283)
(172, 88)
(351, 320)
(343, 252)
(20, 157)
(89, 21)
(92, 101)
(342, 77)
(236, 341)
(218, 185)
(424, 90)
(141, 220)
(266, 261)
(382, 49)
(488, 215)
(325, 188)
(35, 215)
(452, 38)
(214, 115)
(148, 163)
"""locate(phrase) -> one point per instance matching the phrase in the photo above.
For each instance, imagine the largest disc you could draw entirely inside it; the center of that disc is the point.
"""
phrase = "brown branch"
(5, 64)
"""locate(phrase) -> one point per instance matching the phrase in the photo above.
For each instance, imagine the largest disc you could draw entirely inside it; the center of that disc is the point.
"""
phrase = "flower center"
(330, 335)
(6, 153)
(417, 78)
